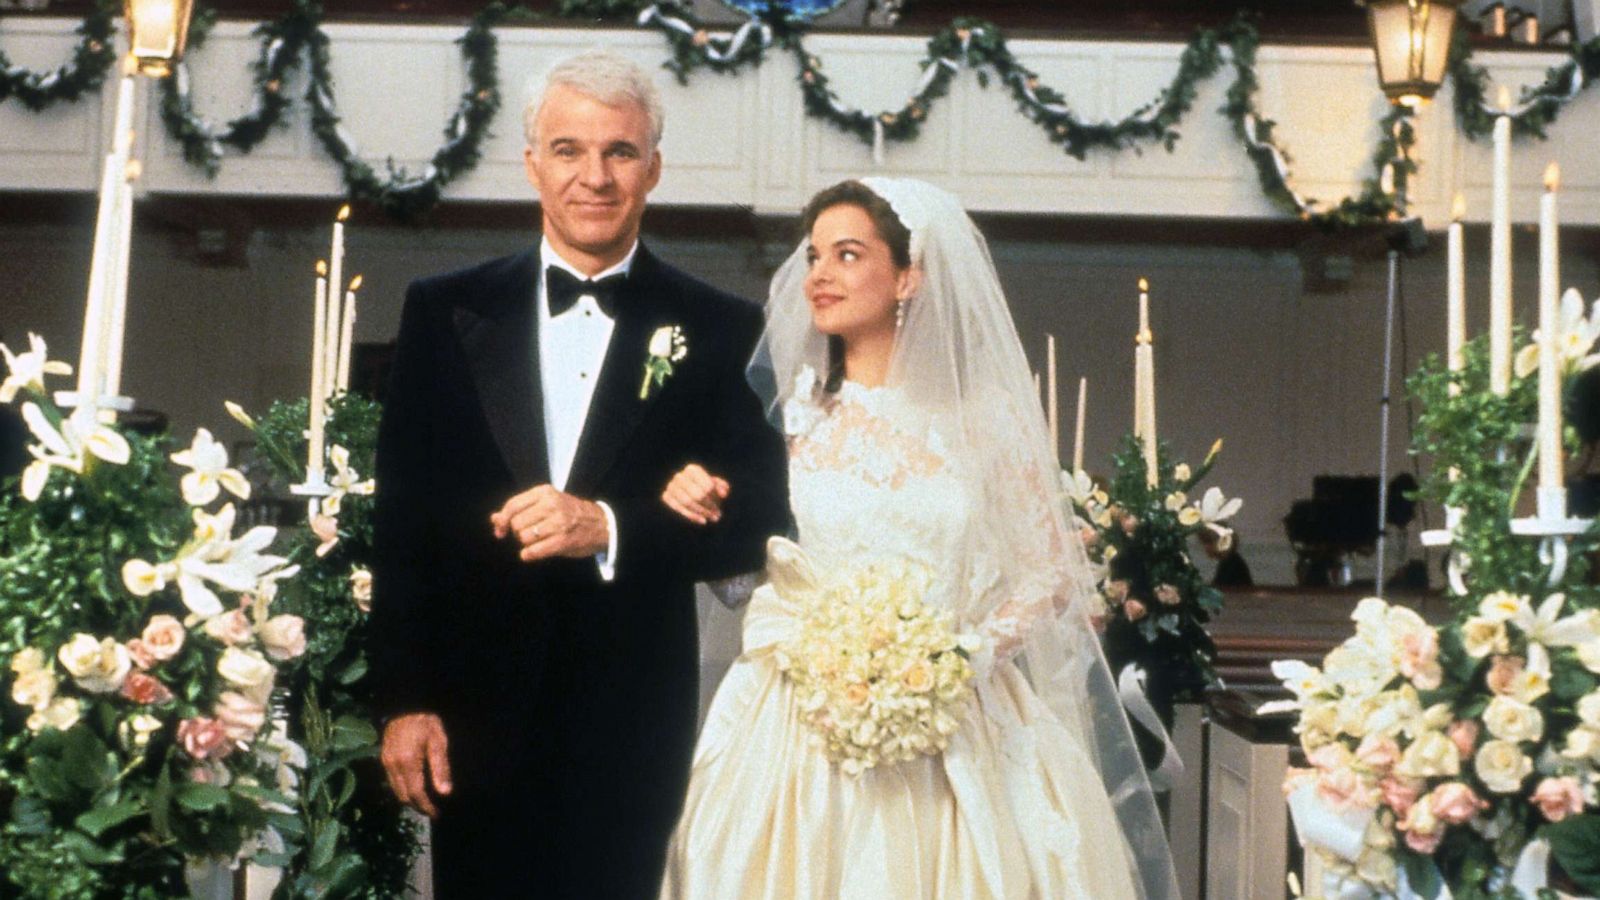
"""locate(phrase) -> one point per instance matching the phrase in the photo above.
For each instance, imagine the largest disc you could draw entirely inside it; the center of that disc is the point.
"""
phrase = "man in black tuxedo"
(533, 625)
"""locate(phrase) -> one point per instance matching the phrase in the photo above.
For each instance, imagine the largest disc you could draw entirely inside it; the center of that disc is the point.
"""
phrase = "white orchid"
(209, 462)
(27, 369)
(212, 557)
(1302, 679)
(69, 447)
(345, 480)
(1574, 341)
(1214, 509)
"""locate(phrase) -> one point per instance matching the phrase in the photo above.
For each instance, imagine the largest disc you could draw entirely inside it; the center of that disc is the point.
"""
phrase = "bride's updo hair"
(890, 229)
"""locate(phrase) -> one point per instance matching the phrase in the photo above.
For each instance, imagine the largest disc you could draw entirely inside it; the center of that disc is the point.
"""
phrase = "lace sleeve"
(1037, 568)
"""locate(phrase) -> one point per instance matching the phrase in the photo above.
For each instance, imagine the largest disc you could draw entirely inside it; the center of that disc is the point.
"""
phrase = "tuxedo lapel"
(498, 336)
(616, 409)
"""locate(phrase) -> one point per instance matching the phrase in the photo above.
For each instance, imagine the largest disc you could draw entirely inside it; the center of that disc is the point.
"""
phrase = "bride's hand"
(696, 494)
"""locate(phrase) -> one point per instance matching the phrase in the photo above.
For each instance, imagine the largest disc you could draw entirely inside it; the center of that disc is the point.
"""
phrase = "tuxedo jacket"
(543, 668)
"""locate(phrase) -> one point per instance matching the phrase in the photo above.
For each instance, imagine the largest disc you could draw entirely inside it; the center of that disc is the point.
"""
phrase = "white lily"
(27, 369)
(80, 436)
(212, 557)
(1078, 487)
(1574, 341)
(209, 460)
(1548, 627)
(345, 480)
(239, 415)
(1213, 509)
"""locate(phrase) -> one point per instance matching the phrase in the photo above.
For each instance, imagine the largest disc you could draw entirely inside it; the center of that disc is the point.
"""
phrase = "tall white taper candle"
(1550, 463)
(1500, 253)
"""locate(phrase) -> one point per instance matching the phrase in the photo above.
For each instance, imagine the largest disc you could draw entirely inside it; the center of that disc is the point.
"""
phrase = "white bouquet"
(880, 674)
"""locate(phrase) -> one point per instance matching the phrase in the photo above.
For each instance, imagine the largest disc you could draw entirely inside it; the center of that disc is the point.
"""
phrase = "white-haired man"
(533, 619)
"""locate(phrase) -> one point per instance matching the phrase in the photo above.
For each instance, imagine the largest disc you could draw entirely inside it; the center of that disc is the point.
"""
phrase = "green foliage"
(1158, 602)
(92, 59)
(356, 841)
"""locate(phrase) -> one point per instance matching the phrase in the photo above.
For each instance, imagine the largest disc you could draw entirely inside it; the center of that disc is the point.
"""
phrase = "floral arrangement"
(359, 842)
(144, 660)
(1157, 602)
(1439, 753)
(881, 675)
(1463, 757)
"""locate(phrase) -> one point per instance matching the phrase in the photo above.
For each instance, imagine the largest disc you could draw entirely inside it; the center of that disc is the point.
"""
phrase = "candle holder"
(1456, 562)
(73, 400)
(1554, 528)
(314, 488)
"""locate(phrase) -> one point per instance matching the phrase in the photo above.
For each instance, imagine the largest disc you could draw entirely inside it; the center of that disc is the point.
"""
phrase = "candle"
(330, 344)
(91, 355)
(347, 333)
(1550, 474)
(1077, 434)
(1145, 384)
(1455, 290)
(319, 335)
(1500, 254)
(117, 308)
(1052, 399)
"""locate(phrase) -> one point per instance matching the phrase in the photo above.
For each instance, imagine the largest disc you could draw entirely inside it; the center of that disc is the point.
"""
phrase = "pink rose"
(163, 637)
(1168, 595)
(1116, 590)
(142, 688)
(1503, 673)
(241, 718)
(1558, 798)
(1378, 753)
(231, 628)
(1400, 793)
(1089, 536)
(1134, 610)
(1419, 650)
(1424, 843)
(1329, 757)
(1343, 789)
(1455, 803)
(140, 651)
(326, 528)
(204, 738)
(1464, 732)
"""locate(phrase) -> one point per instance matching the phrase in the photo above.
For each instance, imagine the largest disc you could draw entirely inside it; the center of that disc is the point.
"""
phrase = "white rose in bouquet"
(1510, 719)
(1502, 766)
(98, 667)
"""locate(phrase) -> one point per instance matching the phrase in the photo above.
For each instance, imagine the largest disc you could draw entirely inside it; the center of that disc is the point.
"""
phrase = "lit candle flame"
(1503, 99)
(322, 268)
(344, 212)
(1144, 285)
(1552, 177)
(1458, 208)
(355, 283)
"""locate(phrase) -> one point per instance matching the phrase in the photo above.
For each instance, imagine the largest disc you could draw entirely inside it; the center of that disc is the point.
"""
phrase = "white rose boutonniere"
(668, 346)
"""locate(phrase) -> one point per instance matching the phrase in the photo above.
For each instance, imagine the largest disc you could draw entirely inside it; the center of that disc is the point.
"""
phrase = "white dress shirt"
(572, 348)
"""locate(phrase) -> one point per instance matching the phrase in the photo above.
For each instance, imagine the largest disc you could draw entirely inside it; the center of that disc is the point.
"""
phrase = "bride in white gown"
(914, 434)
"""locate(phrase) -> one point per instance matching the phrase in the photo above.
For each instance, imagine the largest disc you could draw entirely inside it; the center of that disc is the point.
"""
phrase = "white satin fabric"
(1014, 807)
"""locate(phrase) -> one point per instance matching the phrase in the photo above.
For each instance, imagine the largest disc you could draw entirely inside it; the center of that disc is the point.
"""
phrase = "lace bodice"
(873, 477)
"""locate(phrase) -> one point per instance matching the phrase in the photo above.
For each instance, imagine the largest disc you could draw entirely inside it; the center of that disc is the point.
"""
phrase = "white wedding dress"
(1014, 807)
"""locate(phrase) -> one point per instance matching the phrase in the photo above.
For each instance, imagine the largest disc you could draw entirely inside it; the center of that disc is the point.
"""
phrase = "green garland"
(401, 194)
(91, 61)
(281, 44)
(966, 42)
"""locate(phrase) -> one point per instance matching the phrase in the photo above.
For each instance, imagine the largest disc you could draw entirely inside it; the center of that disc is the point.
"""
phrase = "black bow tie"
(562, 289)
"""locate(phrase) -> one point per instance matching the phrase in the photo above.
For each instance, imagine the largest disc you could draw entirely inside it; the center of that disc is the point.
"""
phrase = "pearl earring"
(899, 314)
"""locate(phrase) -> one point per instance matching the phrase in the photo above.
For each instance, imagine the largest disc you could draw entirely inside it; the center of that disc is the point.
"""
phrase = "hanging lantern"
(157, 32)
(1412, 40)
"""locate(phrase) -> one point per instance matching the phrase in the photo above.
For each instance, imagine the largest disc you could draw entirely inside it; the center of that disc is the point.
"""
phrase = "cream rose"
(1431, 755)
(1378, 753)
(98, 667)
(61, 714)
(28, 659)
(1168, 595)
(137, 731)
(1344, 789)
(1481, 637)
(361, 589)
(1583, 742)
(1502, 766)
(246, 670)
(1421, 826)
(283, 637)
(1512, 720)
(1589, 709)
(163, 637)
(34, 688)
(1419, 658)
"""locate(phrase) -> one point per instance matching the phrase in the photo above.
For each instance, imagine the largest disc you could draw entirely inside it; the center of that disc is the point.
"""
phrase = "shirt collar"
(549, 257)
